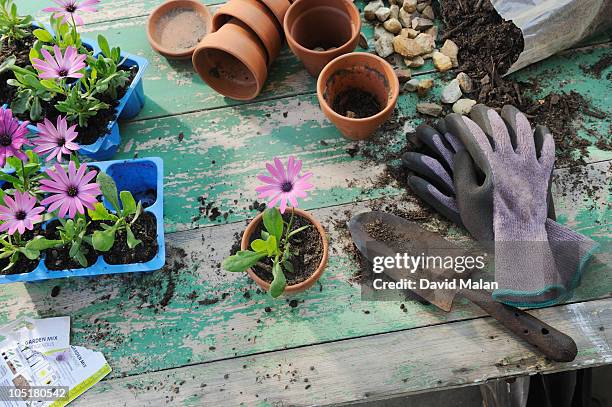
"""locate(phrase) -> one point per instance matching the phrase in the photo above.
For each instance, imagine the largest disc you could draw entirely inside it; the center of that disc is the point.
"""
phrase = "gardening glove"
(432, 184)
(506, 153)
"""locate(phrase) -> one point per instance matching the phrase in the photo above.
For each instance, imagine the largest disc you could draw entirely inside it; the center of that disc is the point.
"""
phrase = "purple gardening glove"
(433, 183)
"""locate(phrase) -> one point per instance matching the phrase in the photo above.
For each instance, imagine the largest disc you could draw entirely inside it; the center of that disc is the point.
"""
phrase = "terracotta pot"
(176, 27)
(321, 23)
(279, 9)
(232, 61)
(304, 285)
(258, 18)
(363, 71)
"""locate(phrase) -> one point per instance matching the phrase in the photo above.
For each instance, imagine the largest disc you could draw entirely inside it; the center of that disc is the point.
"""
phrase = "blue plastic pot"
(129, 106)
(141, 177)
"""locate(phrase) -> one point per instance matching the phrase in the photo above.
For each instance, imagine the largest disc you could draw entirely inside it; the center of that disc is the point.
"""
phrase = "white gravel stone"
(394, 11)
(463, 106)
(369, 11)
(465, 82)
(410, 5)
(382, 14)
(451, 92)
(393, 26)
(384, 44)
(451, 50)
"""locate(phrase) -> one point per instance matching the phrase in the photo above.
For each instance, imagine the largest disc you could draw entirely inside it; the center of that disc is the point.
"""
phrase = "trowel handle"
(554, 344)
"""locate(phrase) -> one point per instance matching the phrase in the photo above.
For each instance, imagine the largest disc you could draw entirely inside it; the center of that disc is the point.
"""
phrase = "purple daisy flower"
(56, 140)
(284, 186)
(68, 9)
(60, 66)
(12, 136)
(71, 192)
(20, 213)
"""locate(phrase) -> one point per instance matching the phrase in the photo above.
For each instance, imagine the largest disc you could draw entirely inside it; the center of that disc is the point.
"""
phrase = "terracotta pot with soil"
(176, 27)
(318, 31)
(232, 61)
(309, 264)
(258, 18)
(358, 92)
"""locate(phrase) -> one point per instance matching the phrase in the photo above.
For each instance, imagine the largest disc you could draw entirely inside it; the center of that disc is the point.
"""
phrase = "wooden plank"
(370, 368)
(217, 154)
(174, 87)
(193, 312)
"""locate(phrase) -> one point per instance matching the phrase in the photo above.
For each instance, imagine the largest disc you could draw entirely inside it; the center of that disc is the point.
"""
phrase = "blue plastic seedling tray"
(144, 179)
(129, 106)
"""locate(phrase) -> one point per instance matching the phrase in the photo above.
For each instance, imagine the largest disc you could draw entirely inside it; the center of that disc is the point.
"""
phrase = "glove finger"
(443, 204)
(474, 198)
(472, 137)
(430, 137)
(520, 131)
(430, 169)
(451, 140)
(544, 144)
(493, 126)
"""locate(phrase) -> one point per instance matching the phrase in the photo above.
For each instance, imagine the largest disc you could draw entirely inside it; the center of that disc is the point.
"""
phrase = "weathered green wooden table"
(192, 334)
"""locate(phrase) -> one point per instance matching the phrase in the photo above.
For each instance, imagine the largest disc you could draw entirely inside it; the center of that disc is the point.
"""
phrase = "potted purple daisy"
(69, 219)
(284, 249)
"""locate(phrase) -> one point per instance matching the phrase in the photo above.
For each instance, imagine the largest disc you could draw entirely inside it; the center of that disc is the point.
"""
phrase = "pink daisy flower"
(71, 192)
(56, 140)
(68, 9)
(12, 136)
(60, 66)
(284, 186)
(20, 213)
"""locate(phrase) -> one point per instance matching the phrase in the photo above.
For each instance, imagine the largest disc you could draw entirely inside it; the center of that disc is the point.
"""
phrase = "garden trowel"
(398, 236)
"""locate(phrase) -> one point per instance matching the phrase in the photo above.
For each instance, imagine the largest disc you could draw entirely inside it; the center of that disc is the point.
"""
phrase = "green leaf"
(40, 244)
(2, 195)
(109, 189)
(264, 235)
(29, 253)
(10, 179)
(35, 110)
(259, 246)
(43, 35)
(80, 257)
(103, 241)
(100, 213)
(277, 287)
(273, 221)
(131, 239)
(242, 260)
(128, 202)
(288, 266)
(103, 43)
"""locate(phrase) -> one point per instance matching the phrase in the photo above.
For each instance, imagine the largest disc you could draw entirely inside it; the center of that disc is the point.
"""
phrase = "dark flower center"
(63, 73)
(71, 8)
(5, 140)
(20, 215)
(72, 191)
(61, 142)
(286, 186)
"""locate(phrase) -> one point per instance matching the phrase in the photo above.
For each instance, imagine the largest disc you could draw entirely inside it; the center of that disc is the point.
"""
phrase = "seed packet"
(39, 367)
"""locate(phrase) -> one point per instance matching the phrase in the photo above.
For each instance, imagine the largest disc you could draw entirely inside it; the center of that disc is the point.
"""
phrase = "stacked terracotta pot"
(247, 37)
